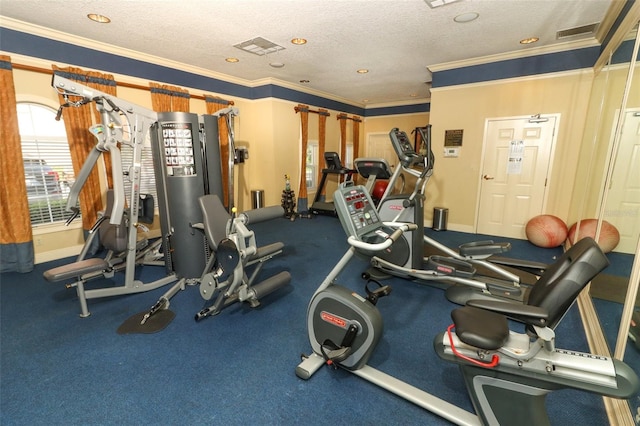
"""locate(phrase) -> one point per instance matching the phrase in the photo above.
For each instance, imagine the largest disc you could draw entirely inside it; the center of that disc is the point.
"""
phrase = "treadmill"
(335, 168)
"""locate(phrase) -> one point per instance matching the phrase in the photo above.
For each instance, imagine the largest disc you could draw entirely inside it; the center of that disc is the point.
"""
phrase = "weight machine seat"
(482, 323)
(215, 218)
(112, 237)
(76, 269)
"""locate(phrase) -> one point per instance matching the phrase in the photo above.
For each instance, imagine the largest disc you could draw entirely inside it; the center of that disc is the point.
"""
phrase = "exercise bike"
(507, 374)
(458, 272)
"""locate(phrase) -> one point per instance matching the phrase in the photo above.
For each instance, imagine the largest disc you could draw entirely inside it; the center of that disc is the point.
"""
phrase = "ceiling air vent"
(577, 31)
(259, 46)
(437, 3)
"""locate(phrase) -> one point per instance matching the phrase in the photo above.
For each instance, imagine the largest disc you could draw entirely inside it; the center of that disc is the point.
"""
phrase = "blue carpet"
(236, 368)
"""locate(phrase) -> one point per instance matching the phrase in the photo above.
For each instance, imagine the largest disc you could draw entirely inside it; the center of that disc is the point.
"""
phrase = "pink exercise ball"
(609, 235)
(546, 231)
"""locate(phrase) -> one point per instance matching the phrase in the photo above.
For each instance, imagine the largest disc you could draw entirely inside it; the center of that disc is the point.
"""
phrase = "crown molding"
(419, 101)
(132, 54)
(585, 71)
(518, 54)
(114, 50)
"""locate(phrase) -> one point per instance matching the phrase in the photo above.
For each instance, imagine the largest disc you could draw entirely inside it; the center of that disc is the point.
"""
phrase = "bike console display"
(404, 149)
(356, 210)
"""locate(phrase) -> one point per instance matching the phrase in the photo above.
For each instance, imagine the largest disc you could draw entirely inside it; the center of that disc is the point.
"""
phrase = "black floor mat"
(157, 322)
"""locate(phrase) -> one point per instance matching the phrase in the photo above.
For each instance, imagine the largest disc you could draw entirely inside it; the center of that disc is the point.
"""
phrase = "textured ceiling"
(396, 40)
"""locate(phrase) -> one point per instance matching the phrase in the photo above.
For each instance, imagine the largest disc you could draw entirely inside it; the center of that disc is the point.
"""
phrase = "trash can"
(257, 198)
(440, 216)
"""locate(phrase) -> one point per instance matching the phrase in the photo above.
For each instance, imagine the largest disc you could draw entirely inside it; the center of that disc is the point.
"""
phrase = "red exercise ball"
(378, 189)
(609, 235)
(546, 231)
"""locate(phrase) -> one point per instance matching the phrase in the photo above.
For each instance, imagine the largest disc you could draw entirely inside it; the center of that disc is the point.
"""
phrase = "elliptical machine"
(455, 271)
(500, 366)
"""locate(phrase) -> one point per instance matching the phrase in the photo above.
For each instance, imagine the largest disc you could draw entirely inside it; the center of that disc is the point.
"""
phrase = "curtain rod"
(305, 109)
(346, 117)
(118, 83)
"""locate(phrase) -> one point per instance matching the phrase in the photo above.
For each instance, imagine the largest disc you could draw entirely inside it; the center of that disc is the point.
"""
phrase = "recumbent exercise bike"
(507, 374)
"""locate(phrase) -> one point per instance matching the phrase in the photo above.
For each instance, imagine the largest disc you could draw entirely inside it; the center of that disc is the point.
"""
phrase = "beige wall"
(384, 124)
(270, 129)
(455, 182)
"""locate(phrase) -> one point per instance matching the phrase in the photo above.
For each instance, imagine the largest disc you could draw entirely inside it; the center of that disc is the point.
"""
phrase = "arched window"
(47, 162)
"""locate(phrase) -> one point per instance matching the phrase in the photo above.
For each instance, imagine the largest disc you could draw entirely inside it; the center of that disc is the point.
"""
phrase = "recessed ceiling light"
(299, 41)
(362, 71)
(98, 18)
(529, 40)
(466, 17)
(276, 64)
(232, 60)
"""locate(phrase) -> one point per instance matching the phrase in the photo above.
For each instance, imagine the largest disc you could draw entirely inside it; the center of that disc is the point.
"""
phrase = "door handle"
(487, 177)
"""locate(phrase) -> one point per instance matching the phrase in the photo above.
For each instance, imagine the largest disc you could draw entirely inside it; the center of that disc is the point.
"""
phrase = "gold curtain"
(322, 141)
(16, 238)
(77, 121)
(180, 100)
(343, 135)
(304, 124)
(165, 98)
(160, 98)
(356, 136)
(215, 104)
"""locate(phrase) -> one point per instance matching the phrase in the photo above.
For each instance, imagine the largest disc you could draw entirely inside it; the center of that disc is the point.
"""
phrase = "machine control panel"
(356, 210)
(402, 145)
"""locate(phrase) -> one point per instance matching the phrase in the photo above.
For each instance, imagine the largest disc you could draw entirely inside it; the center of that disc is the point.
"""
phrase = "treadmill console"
(356, 210)
(403, 147)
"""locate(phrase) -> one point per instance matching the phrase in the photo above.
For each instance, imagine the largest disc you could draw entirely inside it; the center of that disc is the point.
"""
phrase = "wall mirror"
(607, 204)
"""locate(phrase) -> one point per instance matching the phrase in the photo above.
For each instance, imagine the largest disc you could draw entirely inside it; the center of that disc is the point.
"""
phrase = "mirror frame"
(618, 411)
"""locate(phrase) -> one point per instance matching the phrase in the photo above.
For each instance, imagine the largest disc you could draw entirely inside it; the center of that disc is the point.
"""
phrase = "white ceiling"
(396, 40)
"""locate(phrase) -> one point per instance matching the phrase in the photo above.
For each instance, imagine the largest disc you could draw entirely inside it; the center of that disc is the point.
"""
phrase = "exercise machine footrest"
(449, 266)
(267, 251)
(483, 248)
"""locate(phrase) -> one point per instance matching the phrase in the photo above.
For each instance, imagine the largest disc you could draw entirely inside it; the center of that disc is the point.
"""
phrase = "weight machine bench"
(114, 238)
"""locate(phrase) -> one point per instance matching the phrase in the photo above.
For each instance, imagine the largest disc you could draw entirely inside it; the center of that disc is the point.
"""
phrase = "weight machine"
(208, 247)
(118, 225)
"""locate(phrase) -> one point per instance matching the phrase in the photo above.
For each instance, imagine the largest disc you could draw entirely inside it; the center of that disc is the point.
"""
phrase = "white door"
(623, 199)
(515, 167)
(379, 146)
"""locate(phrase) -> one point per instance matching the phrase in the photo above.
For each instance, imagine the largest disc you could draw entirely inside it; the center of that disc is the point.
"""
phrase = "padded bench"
(76, 269)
